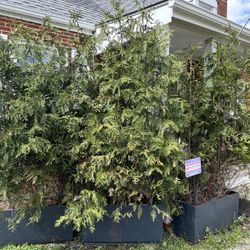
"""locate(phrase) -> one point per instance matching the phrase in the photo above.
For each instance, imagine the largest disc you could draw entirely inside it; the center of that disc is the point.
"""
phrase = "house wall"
(8, 23)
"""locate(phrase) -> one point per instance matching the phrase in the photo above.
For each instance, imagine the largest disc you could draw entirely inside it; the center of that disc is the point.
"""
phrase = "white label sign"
(193, 167)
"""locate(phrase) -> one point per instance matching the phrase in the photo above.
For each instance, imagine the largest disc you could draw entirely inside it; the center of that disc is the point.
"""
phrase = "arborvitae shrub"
(114, 124)
(130, 153)
(219, 117)
(36, 101)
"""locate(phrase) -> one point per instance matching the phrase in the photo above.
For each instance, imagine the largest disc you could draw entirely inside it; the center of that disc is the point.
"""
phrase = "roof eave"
(37, 17)
(194, 14)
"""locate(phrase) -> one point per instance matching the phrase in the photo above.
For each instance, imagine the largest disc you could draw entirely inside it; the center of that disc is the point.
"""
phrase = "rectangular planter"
(42, 232)
(129, 230)
(213, 215)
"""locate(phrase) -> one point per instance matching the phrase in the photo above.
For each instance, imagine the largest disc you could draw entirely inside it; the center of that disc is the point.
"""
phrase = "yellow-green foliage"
(114, 126)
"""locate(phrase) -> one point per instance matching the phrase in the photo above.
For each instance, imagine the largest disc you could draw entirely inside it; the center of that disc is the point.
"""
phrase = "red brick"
(222, 8)
(67, 37)
(33, 26)
(6, 29)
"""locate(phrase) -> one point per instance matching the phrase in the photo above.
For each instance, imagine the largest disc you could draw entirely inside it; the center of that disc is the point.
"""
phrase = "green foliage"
(219, 116)
(34, 157)
(115, 125)
(98, 131)
(85, 210)
(129, 152)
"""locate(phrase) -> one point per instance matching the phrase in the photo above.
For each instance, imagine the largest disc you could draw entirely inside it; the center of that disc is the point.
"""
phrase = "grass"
(237, 234)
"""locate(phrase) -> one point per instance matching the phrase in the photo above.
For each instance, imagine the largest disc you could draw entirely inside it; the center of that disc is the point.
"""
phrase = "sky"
(239, 11)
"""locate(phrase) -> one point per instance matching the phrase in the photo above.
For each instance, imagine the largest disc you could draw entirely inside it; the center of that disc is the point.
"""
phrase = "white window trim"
(4, 37)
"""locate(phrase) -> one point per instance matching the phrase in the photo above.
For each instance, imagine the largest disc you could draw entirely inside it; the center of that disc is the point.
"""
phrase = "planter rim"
(127, 205)
(14, 209)
(218, 198)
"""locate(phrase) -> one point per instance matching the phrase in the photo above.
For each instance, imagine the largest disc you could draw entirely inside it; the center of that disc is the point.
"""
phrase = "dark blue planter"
(42, 232)
(132, 230)
(213, 216)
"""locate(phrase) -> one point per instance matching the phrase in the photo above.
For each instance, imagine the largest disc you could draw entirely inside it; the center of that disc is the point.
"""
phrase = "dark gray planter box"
(42, 232)
(133, 230)
(213, 215)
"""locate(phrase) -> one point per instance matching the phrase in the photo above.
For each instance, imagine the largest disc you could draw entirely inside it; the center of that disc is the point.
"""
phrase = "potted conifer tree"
(33, 166)
(128, 153)
(218, 131)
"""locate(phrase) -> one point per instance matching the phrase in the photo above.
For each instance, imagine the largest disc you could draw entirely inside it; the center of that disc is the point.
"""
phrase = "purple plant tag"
(193, 167)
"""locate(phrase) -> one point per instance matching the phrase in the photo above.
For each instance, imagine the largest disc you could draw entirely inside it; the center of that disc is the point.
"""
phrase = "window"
(206, 6)
(209, 5)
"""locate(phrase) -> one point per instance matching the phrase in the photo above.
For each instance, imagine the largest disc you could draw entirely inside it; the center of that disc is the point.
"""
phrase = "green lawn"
(237, 234)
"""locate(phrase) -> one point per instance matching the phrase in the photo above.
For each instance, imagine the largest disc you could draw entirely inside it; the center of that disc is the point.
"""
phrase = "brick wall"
(222, 8)
(7, 24)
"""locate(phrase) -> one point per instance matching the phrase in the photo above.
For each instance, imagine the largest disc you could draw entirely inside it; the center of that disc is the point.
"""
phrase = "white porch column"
(209, 47)
(167, 220)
